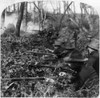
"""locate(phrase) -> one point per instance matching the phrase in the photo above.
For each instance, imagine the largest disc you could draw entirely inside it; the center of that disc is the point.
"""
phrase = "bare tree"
(3, 17)
(26, 15)
(8, 9)
(59, 8)
(84, 10)
(18, 7)
(17, 32)
(14, 7)
(61, 20)
(42, 14)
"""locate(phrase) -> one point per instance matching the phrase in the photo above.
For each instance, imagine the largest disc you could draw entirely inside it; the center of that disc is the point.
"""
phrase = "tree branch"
(64, 15)
(36, 6)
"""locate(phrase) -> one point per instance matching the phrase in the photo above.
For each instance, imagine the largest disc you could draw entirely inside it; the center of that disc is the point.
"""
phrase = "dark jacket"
(94, 61)
(87, 73)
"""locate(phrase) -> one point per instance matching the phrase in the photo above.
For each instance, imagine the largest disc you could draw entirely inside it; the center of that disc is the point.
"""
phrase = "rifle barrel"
(24, 78)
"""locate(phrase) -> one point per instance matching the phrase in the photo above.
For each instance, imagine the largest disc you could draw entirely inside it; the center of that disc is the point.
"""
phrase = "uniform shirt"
(89, 77)
(85, 74)
(94, 61)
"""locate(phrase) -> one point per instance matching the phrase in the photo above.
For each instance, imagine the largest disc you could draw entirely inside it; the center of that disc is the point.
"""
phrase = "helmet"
(75, 56)
(94, 44)
(57, 44)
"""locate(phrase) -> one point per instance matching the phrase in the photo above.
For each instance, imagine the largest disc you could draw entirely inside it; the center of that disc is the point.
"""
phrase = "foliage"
(71, 25)
(17, 55)
(21, 58)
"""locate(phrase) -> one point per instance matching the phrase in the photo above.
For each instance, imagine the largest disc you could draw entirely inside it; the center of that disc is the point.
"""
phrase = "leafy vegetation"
(17, 59)
(28, 66)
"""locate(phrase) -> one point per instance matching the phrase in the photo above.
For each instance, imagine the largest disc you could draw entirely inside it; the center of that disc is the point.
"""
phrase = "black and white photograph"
(49, 48)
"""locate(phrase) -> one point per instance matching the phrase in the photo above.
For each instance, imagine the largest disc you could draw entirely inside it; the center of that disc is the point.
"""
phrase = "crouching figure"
(77, 62)
(93, 50)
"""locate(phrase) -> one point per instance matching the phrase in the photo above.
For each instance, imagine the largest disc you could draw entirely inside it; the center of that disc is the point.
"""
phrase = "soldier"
(61, 51)
(77, 63)
(93, 49)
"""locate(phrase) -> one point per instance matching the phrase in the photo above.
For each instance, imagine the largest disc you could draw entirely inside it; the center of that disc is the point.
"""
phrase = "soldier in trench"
(93, 51)
(77, 62)
(61, 51)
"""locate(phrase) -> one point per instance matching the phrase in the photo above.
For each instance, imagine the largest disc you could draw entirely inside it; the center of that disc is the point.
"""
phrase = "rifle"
(24, 78)
(54, 68)
(41, 53)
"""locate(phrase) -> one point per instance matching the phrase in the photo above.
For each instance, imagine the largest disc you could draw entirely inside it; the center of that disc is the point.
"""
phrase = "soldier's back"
(94, 61)
(88, 76)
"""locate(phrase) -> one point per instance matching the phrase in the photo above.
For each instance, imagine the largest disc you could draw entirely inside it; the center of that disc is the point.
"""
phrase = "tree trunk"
(30, 6)
(26, 16)
(59, 8)
(18, 8)
(8, 8)
(60, 23)
(17, 32)
(14, 7)
(40, 6)
(3, 18)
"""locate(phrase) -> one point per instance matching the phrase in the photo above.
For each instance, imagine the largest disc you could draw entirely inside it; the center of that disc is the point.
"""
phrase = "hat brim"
(94, 44)
(75, 60)
(93, 48)
(69, 48)
(57, 45)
